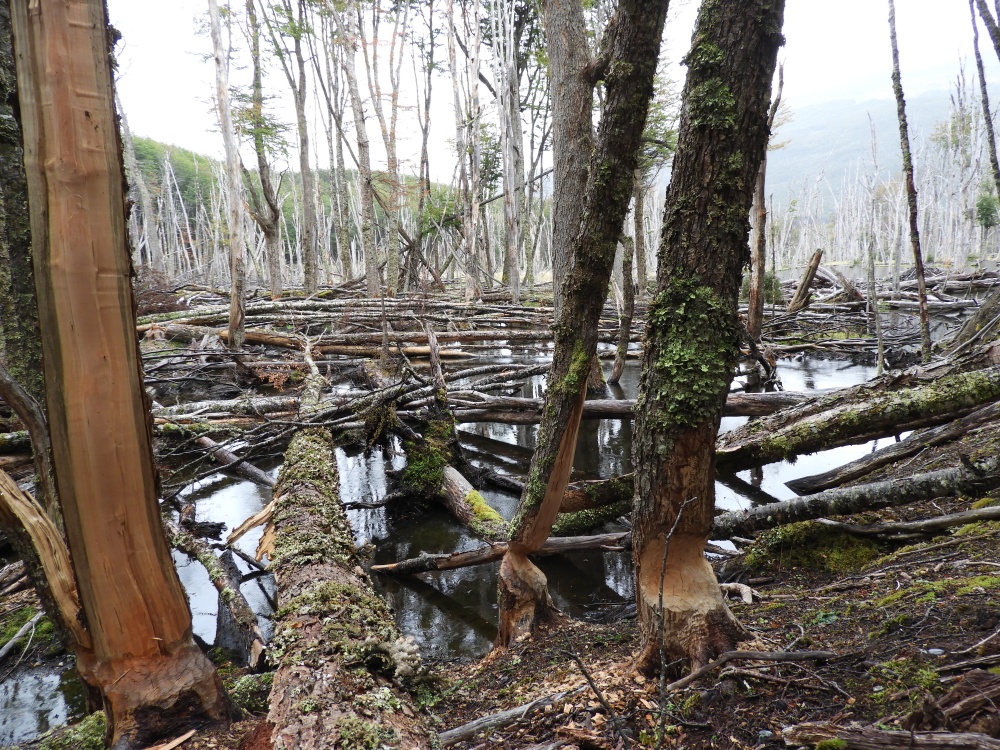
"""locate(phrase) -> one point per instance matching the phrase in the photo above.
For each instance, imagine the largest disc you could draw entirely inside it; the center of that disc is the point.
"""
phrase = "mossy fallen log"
(873, 410)
(342, 665)
(963, 480)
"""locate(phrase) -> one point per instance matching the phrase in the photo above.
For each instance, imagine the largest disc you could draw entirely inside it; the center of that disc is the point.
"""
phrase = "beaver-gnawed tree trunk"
(692, 335)
(154, 679)
(336, 639)
(634, 45)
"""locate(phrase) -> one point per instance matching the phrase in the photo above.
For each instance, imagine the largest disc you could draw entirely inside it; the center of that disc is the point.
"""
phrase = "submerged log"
(246, 637)
(341, 660)
(552, 546)
(855, 415)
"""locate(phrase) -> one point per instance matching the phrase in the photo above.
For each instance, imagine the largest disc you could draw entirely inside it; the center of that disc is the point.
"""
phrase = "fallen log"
(913, 529)
(801, 297)
(248, 640)
(971, 480)
(229, 461)
(856, 415)
(910, 446)
(878, 739)
(340, 658)
(552, 546)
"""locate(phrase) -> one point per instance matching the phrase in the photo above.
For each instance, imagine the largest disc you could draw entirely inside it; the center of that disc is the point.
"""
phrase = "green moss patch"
(251, 692)
(86, 735)
(811, 546)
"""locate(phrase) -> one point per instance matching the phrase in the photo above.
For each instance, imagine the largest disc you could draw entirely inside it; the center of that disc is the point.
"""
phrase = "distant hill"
(833, 137)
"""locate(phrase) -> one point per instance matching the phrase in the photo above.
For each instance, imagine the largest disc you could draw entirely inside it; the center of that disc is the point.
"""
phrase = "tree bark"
(693, 330)
(338, 646)
(234, 182)
(634, 50)
(984, 97)
(758, 234)
(845, 501)
(153, 677)
(911, 190)
(572, 94)
(268, 215)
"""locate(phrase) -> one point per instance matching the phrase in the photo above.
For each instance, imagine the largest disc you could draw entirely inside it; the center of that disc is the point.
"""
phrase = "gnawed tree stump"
(340, 656)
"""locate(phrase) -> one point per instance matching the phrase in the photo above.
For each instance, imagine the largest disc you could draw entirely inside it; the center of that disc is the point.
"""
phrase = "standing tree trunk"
(234, 182)
(639, 232)
(991, 141)
(758, 233)
(572, 92)
(154, 679)
(349, 34)
(693, 333)
(633, 53)
(266, 211)
(149, 224)
(294, 23)
(911, 191)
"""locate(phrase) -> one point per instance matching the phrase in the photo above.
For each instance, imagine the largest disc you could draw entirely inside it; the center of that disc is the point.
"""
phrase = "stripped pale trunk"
(153, 677)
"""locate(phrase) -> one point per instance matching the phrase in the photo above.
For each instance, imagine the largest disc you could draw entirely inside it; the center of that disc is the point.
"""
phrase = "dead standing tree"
(633, 46)
(911, 190)
(693, 332)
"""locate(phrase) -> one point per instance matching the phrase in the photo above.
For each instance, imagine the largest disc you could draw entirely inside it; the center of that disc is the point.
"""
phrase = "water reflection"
(38, 700)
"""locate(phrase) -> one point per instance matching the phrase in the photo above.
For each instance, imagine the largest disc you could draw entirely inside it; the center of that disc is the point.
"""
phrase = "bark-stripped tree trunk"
(911, 190)
(634, 51)
(572, 93)
(234, 181)
(154, 678)
(758, 231)
(628, 310)
(266, 212)
(692, 334)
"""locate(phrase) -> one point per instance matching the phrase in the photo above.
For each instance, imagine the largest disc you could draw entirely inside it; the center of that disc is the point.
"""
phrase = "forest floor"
(905, 622)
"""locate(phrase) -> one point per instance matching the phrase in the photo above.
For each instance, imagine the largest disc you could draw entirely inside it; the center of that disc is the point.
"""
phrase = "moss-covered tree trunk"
(633, 46)
(154, 679)
(341, 660)
(20, 342)
(692, 335)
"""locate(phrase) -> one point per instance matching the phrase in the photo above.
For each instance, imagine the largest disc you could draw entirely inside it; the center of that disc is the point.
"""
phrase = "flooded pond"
(451, 614)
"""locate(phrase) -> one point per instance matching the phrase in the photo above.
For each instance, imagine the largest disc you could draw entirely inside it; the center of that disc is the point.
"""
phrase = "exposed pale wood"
(911, 445)
(52, 552)
(229, 461)
(9, 645)
(144, 656)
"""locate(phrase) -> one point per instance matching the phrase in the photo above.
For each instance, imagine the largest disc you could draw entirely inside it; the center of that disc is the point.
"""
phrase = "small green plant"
(824, 617)
(772, 288)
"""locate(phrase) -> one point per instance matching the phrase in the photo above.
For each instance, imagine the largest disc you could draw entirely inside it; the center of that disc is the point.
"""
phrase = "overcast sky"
(834, 50)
